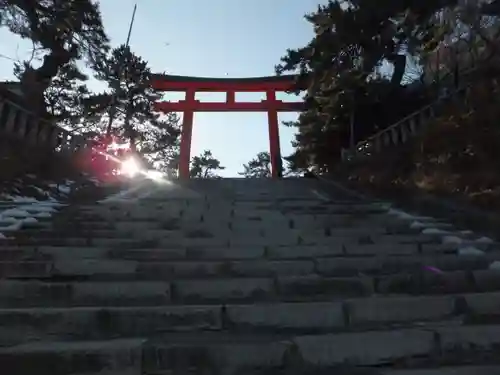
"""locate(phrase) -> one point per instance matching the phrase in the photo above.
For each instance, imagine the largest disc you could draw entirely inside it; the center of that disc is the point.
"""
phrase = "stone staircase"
(243, 277)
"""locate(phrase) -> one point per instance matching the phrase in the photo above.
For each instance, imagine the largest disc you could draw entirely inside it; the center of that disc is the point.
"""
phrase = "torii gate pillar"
(192, 85)
(186, 136)
(274, 135)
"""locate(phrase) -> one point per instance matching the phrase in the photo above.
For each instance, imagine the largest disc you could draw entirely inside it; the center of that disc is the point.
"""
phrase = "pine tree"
(127, 108)
(258, 167)
(341, 70)
(205, 165)
(62, 33)
(65, 95)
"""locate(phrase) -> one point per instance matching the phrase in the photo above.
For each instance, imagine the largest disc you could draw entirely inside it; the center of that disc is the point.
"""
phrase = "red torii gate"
(191, 85)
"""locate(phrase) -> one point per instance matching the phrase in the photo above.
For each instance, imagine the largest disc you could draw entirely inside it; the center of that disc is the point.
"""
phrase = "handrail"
(396, 124)
(400, 126)
(417, 112)
(54, 135)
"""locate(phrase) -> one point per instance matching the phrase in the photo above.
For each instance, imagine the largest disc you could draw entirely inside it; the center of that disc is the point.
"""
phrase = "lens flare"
(155, 175)
(130, 167)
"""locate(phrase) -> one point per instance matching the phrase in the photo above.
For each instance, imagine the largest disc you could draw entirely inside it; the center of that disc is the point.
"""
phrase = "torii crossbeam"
(191, 85)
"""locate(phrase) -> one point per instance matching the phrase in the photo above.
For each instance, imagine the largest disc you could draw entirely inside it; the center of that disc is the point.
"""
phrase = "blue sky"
(217, 38)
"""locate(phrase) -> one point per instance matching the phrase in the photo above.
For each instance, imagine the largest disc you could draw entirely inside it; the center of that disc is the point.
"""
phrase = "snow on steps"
(245, 277)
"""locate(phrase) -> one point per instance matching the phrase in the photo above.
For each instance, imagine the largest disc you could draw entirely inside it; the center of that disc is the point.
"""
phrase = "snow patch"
(64, 189)
(41, 208)
(470, 251)
(451, 240)
(125, 195)
(20, 199)
(485, 240)
(7, 220)
(401, 214)
(27, 210)
(30, 220)
(434, 231)
(41, 215)
(40, 191)
(15, 213)
(418, 224)
(433, 269)
(382, 205)
(12, 227)
(406, 216)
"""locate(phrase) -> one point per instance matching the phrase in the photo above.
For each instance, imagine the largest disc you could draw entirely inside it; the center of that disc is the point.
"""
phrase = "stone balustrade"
(411, 125)
(19, 123)
(398, 133)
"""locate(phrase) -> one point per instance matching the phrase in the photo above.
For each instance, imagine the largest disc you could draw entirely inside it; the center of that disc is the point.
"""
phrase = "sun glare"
(130, 167)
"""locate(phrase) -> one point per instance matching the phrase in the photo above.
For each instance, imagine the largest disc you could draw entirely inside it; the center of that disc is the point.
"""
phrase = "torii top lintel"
(191, 85)
(163, 82)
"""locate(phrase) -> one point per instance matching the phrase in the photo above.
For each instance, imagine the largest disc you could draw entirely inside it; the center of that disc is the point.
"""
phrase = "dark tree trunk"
(399, 62)
(130, 132)
(34, 82)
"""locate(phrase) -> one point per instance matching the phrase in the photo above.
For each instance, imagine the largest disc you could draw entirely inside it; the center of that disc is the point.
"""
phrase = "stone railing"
(411, 125)
(19, 123)
(395, 134)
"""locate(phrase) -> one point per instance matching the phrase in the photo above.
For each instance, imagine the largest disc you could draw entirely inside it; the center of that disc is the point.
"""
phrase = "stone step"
(143, 206)
(189, 238)
(91, 264)
(175, 222)
(465, 370)
(29, 293)
(96, 268)
(103, 323)
(98, 323)
(360, 210)
(14, 253)
(120, 356)
(305, 223)
(95, 262)
(50, 253)
(446, 344)
(423, 282)
(145, 250)
(410, 238)
(227, 231)
(59, 222)
(167, 224)
(285, 288)
(349, 314)
(382, 265)
(193, 232)
(26, 269)
(213, 354)
(150, 241)
(79, 217)
(218, 352)
(72, 233)
(228, 253)
(71, 242)
(215, 222)
(280, 247)
(32, 293)
(103, 269)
